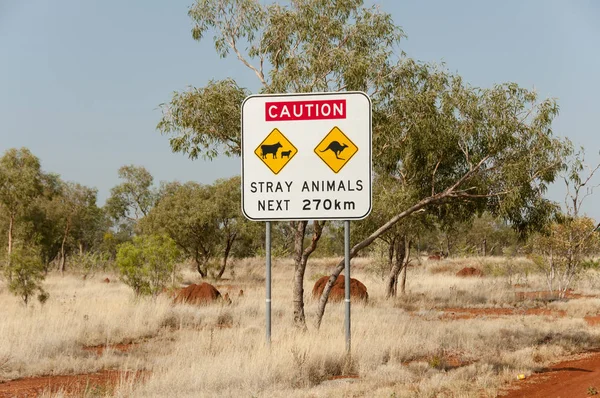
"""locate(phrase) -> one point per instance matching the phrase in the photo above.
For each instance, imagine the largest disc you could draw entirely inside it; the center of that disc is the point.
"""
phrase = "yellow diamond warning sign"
(336, 149)
(275, 151)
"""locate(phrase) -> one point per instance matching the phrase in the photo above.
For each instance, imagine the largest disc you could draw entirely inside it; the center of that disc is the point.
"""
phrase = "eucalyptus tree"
(132, 199)
(21, 182)
(561, 250)
(463, 149)
(75, 207)
(233, 228)
(186, 215)
(203, 220)
(306, 46)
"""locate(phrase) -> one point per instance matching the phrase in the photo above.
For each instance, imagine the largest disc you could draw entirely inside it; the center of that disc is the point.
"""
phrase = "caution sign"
(285, 181)
(275, 151)
(336, 149)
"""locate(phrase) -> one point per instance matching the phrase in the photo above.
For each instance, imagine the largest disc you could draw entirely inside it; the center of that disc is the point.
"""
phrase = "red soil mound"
(203, 293)
(357, 289)
(469, 271)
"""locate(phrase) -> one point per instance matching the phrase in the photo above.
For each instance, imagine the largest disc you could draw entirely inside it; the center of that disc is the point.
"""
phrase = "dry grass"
(401, 348)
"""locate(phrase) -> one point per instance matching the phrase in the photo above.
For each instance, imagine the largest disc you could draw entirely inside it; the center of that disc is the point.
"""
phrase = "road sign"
(306, 156)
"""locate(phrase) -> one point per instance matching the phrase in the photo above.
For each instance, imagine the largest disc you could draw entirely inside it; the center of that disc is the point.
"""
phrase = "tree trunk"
(63, 259)
(390, 263)
(299, 268)
(419, 249)
(80, 248)
(392, 280)
(367, 241)
(405, 267)
(228, 247)
(11, 224)
(300, 260)
(484, 247)
(199, 266)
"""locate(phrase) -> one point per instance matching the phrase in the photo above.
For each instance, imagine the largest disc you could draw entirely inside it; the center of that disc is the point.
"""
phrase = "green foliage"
(285, 47)
(450, 149)
(39, 209)
(561, 252)
(24, 274)
(186, 214)
(470, 149)
(147, 263)
(21, 183)
(89, 262)
(205, 221)
(134, 197)
(20, 180)
(205, 121)
(590, 264)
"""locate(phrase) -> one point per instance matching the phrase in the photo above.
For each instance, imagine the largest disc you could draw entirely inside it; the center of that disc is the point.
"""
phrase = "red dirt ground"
(71, 385)
(446, 361)
(593, 320)
(470, 313)
(547, 295)
(569, 379)
(470, 271)
(99, 349)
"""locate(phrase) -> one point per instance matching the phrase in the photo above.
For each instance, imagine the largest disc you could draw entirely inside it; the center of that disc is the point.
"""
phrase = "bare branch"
(258, 73)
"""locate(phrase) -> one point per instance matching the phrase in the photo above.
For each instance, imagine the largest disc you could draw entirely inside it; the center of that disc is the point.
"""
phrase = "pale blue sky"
(81, 80)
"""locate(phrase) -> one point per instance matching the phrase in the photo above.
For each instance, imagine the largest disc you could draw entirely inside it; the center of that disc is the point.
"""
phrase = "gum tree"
(561, 250)
(306, 46)
(459, 150)
(21, 182)
(133, 198)
(186, 214)
(74, 205)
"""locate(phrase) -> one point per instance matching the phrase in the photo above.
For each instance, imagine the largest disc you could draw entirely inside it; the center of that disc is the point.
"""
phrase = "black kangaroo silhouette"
(336, 148)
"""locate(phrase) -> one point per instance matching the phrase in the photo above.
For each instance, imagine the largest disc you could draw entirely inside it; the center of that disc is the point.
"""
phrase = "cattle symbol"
(286, 154)
(266, 149)
(336, 148)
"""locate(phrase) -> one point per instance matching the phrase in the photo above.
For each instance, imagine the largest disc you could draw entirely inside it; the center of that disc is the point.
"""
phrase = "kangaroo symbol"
(336, 148)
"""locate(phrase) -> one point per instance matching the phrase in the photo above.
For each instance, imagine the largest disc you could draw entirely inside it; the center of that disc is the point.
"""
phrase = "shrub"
(24, 274)
(148, 263)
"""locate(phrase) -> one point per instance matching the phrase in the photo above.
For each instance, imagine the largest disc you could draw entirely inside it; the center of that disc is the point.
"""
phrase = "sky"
(81, 80)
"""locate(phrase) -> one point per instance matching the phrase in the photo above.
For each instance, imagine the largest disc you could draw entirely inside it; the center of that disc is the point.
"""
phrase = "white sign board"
(306, 156)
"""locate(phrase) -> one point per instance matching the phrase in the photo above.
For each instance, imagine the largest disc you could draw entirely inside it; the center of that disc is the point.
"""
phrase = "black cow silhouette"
(272, 149)
(336, 148)
(286, 154)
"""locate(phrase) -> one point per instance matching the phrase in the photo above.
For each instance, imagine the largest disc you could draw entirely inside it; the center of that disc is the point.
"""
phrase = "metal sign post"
(347, 283)
(268, 279)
